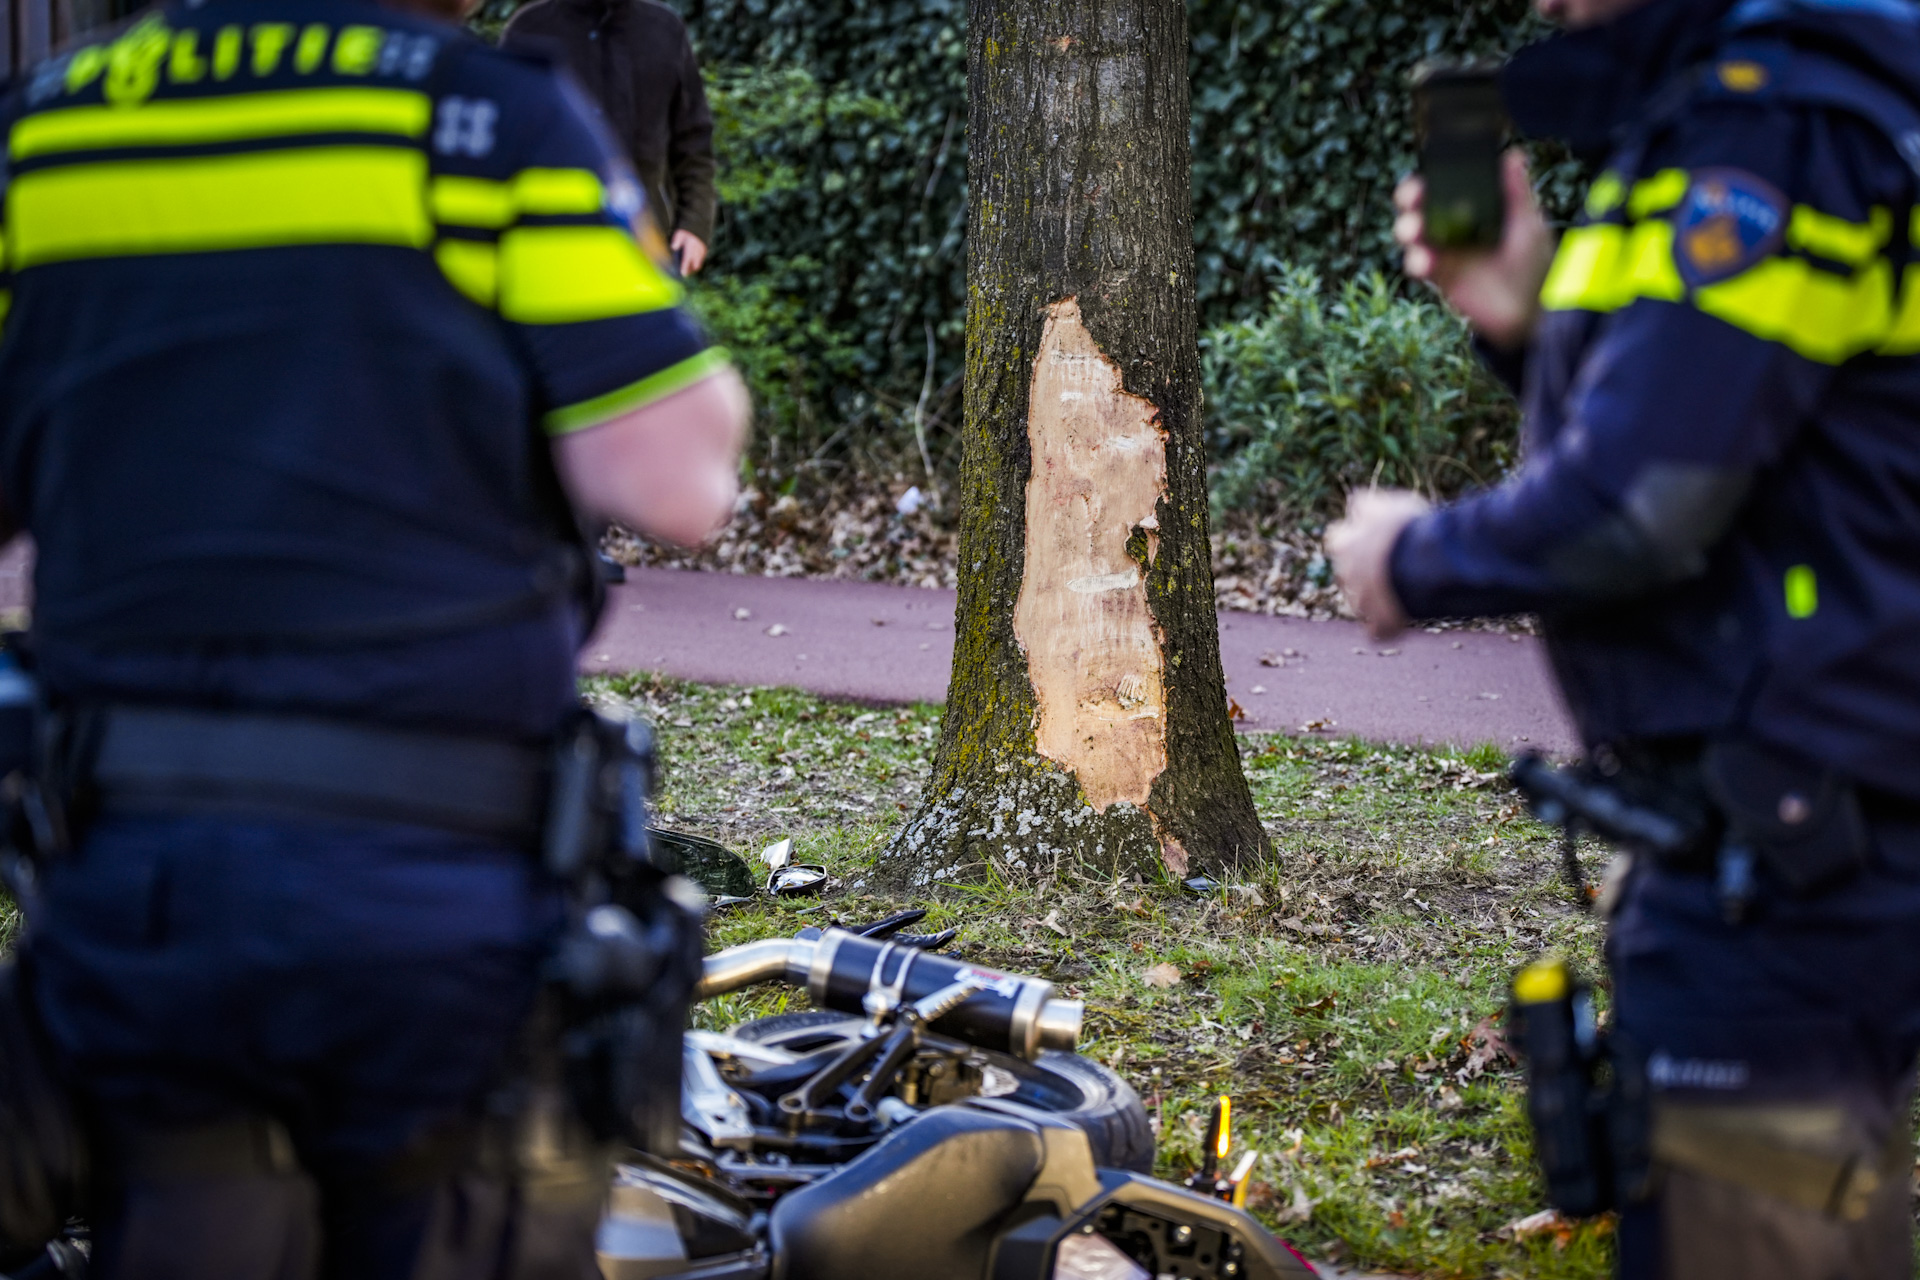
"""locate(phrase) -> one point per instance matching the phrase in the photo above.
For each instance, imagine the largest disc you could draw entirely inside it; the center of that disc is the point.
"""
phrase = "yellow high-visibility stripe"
(1603, 268)
(1650, 272)
(604, 409)
(482, 202)
(472, 202)
(1821, 315)
(1658, 194)
(1584, 269)
(1853, 243)
(473, 268)
(319, 195)
(400, 112)
(1903, 338)
(1824, 317)
(558, 191)
(565, 275)
(1605, 195)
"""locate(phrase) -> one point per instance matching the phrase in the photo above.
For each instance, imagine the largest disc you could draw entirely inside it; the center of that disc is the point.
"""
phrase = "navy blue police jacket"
(1718, 514)
(296, 295)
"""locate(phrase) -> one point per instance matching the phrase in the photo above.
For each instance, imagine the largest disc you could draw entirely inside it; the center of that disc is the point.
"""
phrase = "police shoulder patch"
(1728, 221)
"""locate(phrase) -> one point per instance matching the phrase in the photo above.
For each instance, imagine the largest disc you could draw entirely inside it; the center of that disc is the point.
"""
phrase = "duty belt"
(173, 760)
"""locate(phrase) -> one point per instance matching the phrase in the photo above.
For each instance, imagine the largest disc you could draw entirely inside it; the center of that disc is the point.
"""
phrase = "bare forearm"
(669, 470)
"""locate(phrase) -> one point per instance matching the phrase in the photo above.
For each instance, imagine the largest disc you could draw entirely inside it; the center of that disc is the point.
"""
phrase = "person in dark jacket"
(1718, 521)
(637, 64)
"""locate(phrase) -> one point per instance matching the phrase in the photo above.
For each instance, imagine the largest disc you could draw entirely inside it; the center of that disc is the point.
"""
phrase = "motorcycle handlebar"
(840, 970)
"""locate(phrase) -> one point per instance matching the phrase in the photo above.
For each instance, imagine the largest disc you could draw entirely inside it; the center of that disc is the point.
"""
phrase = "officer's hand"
(1497, 290)
(691, 250)
(1361, 549)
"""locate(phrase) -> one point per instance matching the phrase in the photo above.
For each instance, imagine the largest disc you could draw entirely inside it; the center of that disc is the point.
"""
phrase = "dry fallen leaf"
(1272, 660)
(1161, 976)
(1300, 1210)
(1536, 1224)
(1401, 1156)
(1053, 922)
(1316, 726)
(1486, 1044)
(1235, 711)
(777, 630)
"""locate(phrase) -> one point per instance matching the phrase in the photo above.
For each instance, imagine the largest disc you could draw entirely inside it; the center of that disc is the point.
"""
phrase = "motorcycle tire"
(1077, 1089)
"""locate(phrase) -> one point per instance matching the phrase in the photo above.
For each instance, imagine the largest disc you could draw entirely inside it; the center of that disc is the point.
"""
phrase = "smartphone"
(1460, 124)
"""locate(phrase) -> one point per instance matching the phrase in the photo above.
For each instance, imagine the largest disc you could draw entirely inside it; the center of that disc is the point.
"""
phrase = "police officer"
(1718, 519)
(326, 330)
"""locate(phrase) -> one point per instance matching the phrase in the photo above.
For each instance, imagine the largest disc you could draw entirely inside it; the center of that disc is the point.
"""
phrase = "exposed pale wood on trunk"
(1099, 472)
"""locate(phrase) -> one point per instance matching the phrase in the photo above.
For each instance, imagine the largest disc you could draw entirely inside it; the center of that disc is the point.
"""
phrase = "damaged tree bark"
(1087, 717)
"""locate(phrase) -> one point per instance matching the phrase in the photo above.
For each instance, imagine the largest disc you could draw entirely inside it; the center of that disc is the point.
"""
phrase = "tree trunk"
(1087, 716)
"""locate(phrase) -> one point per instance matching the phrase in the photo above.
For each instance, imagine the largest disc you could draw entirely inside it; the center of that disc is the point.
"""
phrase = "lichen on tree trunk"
(1086, 716)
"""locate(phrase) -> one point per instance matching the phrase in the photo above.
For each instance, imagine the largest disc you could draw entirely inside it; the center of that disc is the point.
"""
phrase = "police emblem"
(1728, 221)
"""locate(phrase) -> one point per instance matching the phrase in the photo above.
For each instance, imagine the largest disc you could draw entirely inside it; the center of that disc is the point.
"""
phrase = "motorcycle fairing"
(926, 1202)
(987, 1190)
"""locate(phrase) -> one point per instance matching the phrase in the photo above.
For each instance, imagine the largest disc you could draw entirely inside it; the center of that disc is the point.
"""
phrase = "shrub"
(1334, 389)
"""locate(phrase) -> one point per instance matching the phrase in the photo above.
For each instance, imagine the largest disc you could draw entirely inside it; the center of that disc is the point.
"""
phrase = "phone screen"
(1461, 125)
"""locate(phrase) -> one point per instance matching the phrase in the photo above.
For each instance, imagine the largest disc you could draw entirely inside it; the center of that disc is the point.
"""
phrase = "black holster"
(624, 973)
(1801, 821)
(1587, 1103)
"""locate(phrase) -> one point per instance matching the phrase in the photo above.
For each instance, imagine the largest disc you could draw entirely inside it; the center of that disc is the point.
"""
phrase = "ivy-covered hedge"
(839, 272)
(1302, 125)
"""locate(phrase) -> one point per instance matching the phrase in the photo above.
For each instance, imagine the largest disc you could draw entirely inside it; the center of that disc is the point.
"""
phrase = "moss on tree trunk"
(1087, 716)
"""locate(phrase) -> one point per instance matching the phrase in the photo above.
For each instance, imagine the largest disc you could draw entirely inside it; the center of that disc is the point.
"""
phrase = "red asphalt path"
(870, 642)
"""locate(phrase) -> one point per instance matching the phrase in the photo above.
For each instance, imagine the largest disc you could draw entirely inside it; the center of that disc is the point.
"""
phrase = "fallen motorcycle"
(927, 1119)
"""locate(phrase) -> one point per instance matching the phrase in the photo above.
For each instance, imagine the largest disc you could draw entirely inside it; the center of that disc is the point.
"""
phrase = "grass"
(1346, 995)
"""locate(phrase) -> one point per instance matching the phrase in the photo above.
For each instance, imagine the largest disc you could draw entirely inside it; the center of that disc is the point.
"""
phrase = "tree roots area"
(1347, 993)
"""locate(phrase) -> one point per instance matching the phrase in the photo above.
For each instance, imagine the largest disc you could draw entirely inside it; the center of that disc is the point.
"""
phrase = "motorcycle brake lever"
(891, 925)
(882, 929)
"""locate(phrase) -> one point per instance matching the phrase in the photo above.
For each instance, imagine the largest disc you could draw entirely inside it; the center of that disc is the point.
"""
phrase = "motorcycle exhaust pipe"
(1012, 1014)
